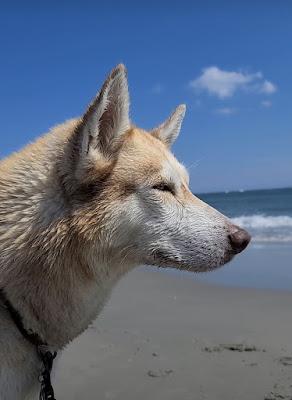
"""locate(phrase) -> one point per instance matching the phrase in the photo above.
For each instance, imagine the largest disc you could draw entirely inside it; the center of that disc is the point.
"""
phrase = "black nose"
(239, 239)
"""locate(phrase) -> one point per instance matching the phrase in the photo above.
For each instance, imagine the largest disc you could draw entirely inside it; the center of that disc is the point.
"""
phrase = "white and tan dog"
(82, 206)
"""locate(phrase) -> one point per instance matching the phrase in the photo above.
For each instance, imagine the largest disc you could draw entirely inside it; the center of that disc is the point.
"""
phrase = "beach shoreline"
(165, 336)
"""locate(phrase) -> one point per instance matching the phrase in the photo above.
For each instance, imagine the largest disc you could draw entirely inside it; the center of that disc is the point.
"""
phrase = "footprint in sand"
(237, 347)
(159, 373)
(287, 361)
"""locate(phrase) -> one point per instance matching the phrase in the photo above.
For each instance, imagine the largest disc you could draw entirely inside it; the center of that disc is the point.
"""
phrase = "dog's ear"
(169, 130)
(107, 118)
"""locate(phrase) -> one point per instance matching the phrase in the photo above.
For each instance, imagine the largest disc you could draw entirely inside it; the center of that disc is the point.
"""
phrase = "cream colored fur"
(79, 208)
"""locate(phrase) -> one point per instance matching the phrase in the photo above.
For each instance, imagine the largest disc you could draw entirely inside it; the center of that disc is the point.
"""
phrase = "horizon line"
(243, 190)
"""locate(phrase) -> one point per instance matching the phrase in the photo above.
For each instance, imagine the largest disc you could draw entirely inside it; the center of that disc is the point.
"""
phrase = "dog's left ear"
(169, 130)
(107, 118)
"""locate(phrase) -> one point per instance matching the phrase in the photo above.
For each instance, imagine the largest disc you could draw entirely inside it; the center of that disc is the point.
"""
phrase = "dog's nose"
(239, 239)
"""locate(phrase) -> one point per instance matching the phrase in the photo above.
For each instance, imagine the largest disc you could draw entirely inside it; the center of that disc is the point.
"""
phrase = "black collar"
(32, 337)
(46, 356)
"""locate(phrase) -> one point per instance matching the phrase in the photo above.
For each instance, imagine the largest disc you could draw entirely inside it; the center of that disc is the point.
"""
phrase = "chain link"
(47, 357)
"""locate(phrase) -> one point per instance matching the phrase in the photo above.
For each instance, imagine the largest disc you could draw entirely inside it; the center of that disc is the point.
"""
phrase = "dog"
(82, 206)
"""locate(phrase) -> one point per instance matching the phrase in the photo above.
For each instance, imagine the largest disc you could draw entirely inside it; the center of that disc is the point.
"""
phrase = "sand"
(165, 336)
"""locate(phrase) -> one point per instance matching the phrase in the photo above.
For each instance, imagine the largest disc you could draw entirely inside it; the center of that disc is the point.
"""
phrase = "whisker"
(195, 163)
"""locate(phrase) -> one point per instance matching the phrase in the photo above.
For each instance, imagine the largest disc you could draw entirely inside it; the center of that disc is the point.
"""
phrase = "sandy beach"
(166, 336)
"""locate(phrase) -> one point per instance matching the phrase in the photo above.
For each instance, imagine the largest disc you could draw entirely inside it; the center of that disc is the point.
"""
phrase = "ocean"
(266, 214)
(267, 262)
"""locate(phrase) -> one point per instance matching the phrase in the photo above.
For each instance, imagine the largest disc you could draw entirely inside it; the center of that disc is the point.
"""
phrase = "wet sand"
(165, 336)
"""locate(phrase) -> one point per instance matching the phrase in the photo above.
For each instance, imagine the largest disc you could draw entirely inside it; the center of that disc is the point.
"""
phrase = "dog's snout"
(239, 239)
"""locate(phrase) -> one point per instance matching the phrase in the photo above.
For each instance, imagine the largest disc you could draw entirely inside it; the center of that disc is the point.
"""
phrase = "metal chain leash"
(47, 357)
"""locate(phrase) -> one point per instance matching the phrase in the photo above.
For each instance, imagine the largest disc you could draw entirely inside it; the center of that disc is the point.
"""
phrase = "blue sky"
(229, 61)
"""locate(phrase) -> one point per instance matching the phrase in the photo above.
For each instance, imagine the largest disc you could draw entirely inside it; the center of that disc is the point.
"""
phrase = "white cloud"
(266, 103)
(225, 110)
(268, 87)
(224, 84)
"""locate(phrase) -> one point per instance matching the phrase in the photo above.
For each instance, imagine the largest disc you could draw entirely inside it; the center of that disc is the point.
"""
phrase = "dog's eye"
(163, 187)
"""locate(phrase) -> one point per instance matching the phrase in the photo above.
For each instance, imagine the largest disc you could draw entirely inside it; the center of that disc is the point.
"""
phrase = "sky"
(229, 61)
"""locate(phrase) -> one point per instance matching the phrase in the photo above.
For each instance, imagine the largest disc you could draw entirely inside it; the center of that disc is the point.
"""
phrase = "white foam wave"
(263, 221)
(267, 228)
(271, 239)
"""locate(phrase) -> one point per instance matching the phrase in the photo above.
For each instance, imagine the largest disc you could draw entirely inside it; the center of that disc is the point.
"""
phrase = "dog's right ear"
(105, 121)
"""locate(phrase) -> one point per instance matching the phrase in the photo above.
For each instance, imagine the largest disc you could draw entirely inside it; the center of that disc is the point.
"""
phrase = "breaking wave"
(262, 221)
(267, 228)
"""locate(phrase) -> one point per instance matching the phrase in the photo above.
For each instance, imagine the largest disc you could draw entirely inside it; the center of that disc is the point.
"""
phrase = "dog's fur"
(82, 206)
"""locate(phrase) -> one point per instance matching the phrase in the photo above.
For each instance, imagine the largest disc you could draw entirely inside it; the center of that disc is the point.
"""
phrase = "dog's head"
(131, 196)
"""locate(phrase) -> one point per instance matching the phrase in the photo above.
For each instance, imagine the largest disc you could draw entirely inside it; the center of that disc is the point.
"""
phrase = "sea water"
(267, 215)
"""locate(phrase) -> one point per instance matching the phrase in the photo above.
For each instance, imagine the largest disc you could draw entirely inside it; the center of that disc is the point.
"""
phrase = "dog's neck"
(61, 308)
